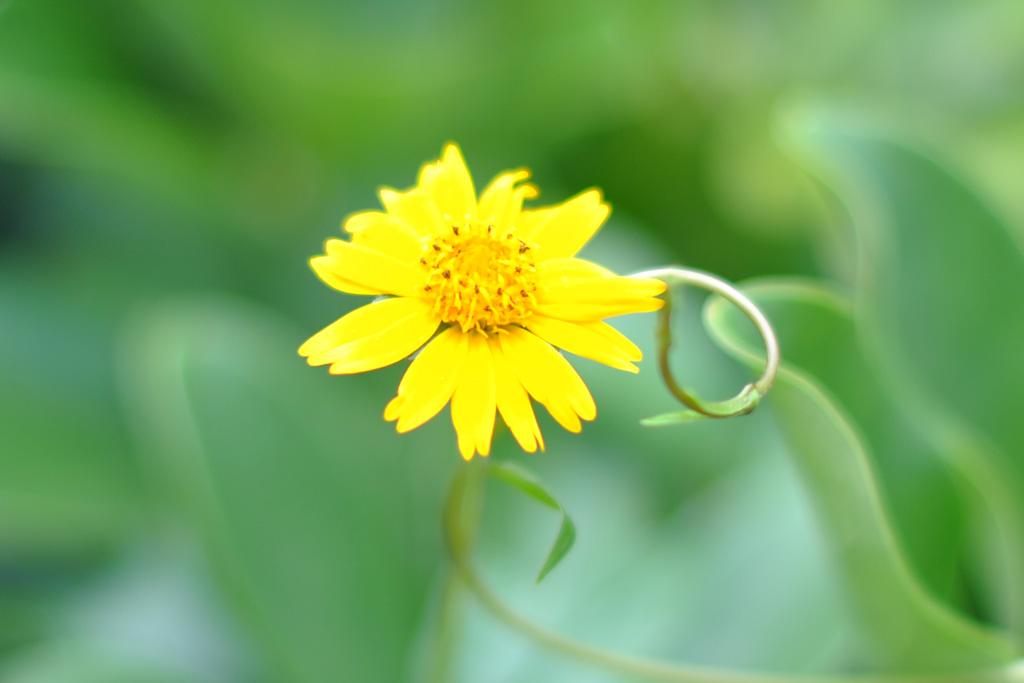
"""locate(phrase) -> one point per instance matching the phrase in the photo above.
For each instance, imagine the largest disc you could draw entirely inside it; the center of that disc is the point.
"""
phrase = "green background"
(183, 500)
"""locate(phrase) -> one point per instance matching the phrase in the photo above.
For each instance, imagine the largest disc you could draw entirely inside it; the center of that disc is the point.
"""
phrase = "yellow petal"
(373, 336)
(593, 298)
(513, 402)
(358, 222)
(323, 266)
(594, 340)
(501, 201)
(450, 186)
(372, 269)
(548, 378)
(428, 174)
(584, 312)
(394, 408)
(596, 290)
(562, 230)
(429, 381)
(474, 400)
(416, 210)
(387, 234)
(555, 271)
(358, 324)
(385, 344)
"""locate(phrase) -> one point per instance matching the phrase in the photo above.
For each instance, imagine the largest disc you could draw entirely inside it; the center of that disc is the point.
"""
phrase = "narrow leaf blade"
(525, 482)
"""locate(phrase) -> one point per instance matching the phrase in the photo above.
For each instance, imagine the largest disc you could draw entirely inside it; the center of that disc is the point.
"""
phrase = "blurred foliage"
(182, 500)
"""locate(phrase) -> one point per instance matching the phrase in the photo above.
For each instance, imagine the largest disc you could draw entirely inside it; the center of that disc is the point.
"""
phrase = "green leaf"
(68, 485)
(923, 492)
(519, 478)
(309, 502)
(939, 275)
(906, 628)
(678, 417)
(738, 406)
(73, 661)
(939, 272)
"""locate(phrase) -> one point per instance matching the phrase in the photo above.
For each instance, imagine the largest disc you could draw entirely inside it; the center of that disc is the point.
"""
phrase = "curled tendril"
(747, 399)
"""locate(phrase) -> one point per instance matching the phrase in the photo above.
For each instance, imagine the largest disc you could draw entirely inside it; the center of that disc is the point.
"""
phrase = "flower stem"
(439, 658)
(461, 516)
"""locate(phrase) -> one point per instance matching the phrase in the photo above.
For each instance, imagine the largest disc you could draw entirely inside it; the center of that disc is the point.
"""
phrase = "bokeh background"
(182, 500)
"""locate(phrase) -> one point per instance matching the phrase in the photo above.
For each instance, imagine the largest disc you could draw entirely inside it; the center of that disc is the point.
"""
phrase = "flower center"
(480, 279)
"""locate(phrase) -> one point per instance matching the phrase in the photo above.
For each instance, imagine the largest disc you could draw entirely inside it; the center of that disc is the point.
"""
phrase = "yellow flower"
(503, 285)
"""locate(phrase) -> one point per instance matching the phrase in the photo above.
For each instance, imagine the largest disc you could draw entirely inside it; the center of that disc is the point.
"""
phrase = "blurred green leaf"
(519, 478)
(939, 273)
(906, 628)
(938, 281)
(68, 485)
(953, 514)
(742, 404)
(117, 130)
(86, 662)
(302, 490)
(911, 463)
(668, 419)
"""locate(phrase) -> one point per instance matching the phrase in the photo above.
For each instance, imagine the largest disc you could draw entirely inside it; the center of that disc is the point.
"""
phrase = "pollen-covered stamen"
(480, 278)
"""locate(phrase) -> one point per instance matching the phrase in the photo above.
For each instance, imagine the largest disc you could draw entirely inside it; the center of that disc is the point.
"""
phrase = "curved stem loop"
(747, 399)
(462, 511)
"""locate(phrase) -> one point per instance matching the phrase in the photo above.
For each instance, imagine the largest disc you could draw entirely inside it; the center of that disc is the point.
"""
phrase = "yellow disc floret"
(479, 278)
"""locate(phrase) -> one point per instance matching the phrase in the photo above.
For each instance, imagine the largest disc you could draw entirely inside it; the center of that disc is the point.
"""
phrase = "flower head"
(502, 285)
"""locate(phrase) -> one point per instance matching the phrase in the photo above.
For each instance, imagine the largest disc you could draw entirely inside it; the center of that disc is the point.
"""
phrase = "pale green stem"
(467, 490)
(439, 665)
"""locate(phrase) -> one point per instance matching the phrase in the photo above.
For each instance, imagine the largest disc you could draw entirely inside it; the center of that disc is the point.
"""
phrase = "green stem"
(460, 532)
(463, 505)
(438, 667)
